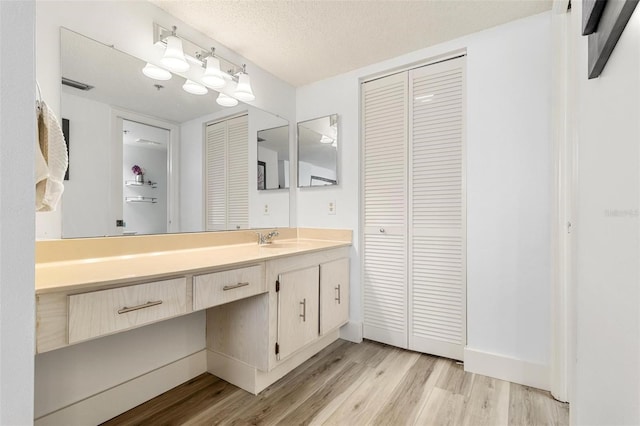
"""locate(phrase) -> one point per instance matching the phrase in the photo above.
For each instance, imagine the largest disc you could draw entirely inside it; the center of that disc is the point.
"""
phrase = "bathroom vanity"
(269, 307)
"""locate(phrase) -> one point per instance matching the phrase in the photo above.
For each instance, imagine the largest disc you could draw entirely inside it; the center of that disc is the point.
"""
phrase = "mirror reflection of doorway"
(144, 175)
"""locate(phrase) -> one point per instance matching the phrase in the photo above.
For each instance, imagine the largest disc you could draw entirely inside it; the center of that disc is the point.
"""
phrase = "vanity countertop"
(79, 274)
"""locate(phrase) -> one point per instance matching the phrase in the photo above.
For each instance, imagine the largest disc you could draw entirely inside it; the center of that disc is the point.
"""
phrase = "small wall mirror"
(318, 151)
(273, 158)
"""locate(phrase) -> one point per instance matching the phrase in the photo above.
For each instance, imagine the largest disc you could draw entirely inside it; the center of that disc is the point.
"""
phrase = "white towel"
(53, 150)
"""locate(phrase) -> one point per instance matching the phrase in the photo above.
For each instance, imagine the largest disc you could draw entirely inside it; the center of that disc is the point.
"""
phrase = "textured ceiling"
(306, 41)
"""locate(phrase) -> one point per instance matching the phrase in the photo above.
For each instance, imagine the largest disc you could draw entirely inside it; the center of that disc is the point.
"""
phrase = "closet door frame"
(361, 164)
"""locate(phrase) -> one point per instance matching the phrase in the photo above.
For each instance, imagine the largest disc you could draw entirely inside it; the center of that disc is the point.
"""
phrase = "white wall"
(99, 20)
(17, 205)
(86, 197)
(607, 370)
(306, 170)
(508, 158)
(270, 158)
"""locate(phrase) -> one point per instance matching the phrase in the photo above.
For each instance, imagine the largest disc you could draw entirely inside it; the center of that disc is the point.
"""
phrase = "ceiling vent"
(76, 84)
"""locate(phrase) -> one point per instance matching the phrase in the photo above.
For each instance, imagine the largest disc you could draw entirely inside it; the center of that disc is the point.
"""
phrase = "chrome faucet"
(266, 238)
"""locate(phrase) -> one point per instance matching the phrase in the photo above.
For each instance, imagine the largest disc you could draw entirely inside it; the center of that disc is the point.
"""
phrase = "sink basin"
(285, 244)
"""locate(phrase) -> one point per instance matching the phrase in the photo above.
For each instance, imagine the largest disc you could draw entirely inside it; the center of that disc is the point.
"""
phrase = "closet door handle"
(126, 309)
(338, 298)
(303, 315)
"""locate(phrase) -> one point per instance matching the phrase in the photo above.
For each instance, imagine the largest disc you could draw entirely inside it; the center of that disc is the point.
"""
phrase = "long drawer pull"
(338, 298)
(232, 286)
(303, 315)
(143, 306)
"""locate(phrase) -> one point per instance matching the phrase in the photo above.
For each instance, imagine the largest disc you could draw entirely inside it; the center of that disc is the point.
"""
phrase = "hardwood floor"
(356, 384)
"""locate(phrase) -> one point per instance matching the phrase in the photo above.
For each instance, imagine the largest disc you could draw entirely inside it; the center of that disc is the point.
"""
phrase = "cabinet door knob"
(382, 231)
(338, 290)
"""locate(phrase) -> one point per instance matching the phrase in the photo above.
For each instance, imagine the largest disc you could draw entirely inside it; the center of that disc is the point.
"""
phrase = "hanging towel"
(53, 150)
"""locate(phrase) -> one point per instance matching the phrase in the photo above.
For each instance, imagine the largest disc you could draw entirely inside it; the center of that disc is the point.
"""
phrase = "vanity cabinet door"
(334, 294)
(298, 302)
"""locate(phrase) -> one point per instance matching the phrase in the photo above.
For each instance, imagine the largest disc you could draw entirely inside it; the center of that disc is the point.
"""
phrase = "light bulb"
(212, 74)
(174, 55)
(226, 101)
(243, 91)
(194, 88)
(155, 72)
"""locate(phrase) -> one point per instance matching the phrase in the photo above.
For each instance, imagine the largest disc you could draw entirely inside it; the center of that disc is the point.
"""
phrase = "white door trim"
(563, 154)
(173, 162)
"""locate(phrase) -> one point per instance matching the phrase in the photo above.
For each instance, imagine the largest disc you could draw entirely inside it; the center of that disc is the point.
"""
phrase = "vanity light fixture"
(174, 55)
(243, 91)
(213, 76)
(226, 101)
(155, 72)
(194, 88)
(218, 71)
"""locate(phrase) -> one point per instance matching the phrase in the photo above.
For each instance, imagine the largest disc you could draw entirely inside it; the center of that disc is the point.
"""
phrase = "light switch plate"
(332, 207)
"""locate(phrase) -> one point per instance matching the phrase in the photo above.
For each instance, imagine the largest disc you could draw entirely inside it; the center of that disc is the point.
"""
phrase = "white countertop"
(78, 274)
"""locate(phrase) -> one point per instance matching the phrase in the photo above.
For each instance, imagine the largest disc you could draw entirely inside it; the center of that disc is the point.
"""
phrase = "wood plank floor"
(356, 384)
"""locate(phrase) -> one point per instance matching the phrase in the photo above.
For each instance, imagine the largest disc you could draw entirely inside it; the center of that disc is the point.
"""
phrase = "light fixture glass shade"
(155, 72)
(226, 101)
(243, 91)
(194, 88)
(174, 55)
(212, 74)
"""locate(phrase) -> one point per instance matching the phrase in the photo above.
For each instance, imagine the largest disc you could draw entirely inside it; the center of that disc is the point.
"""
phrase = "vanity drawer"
(107, 311)
(223, 287)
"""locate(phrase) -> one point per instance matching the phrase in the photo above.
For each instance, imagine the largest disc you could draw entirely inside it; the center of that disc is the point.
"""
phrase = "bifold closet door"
(437, 219)
(384, 201)
(238, 173)
(227, 174)
(216, 176)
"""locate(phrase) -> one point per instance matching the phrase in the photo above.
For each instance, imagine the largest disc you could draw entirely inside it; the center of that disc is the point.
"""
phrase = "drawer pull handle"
(143, 306)
(231, 287)
(338, 290)
(303, 315)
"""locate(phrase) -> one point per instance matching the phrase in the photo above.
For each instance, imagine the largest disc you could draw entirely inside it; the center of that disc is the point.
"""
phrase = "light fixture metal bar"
(194, 52)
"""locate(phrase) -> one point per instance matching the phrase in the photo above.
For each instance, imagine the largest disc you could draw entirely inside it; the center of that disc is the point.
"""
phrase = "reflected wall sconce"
(226, 101)
(180, 54)
(194, 88)
(155, 72)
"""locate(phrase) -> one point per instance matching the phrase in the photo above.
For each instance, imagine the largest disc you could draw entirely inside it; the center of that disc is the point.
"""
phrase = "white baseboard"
(507, 368)
(112, 402)
(351, 331)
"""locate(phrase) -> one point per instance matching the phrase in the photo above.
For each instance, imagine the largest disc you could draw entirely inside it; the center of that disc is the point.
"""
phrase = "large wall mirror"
(138, 151)
(318, 151)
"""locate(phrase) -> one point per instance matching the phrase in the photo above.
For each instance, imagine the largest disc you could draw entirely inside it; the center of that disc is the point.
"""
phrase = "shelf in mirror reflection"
(152, 200)
(147, 184)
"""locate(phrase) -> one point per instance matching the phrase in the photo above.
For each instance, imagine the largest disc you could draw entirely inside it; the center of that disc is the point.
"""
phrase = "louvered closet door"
(215, 177)
(437, 264)
(385, 119)
(238, 173)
